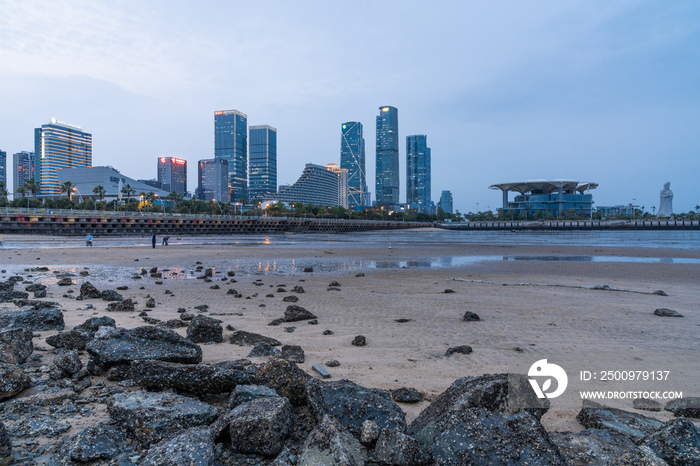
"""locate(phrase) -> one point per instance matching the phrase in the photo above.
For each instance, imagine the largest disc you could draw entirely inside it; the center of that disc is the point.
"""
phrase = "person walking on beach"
(88, 240)
(153, 240)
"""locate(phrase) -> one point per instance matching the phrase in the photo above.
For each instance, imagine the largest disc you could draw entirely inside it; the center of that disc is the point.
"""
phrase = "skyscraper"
(446, 202)
(263, 162)
(231, 144)
(3, 167)
(23, 168)
(213, 180)
(418, 173)
(343, 191)
(172, 175)
(387, 179)
(59, 145)
(352, 158)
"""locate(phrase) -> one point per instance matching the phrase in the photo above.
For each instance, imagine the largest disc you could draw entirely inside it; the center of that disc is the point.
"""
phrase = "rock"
(191, 447)
(369, 433)
(295, 313)
(151, 320)
(175, 323)
(34, 303)
(333, 363)
(596, 447)
(261, 425)
(231, 273)
(56, 373)
(122, 288)
(81, 335)
(5, 447)
(69, 361)
(290, 299)
(40, 294)
(464, 349)
(152, 417)
(470, 317)
(15, 345)
(312, 322)
(448, 291)
(333, 289)
(677, 442)
(308, 269)
(65, 282)
(330, 444)
(663, 312)
(286, 379)
(659, 293)
(150, 303)
(293, 353)
(359, 340)
(35, 287)
(245, 393)
(632, 425)
(232, 291)
(328, 332)
(646, 404)
(406, 395)
(351, 404)
(204, 329)
(88, 290)
(396, 448)
(12, 380)
(196, 379)
(98, 442)
(243, 338)
(34, 319)
(297, 289)
(111, 295)
(9, 296)
(686, 407)
(187, 317)
(262, 350)
(126, 305)
(277, 322)
(122, 346)
(499, 393)
(119, 372)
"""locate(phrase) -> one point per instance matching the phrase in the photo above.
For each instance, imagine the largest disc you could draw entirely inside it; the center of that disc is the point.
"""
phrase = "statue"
(666, 202)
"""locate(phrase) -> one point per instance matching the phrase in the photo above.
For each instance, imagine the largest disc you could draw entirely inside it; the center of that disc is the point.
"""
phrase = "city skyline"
(598, 91)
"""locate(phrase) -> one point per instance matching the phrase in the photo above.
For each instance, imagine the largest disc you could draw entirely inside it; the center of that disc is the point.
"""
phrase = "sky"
(595, 91)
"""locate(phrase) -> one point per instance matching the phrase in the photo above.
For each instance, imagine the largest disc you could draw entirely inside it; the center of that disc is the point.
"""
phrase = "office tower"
(343, 187)
(213, 180)
(154, 183)
(172, 175)
(352, 158)
(59, 145)
(262, 181)
(418, 173)
(3, 167)
(317, 185)
(231, 144)
(446, 202)
(387, 179)
(23, 168)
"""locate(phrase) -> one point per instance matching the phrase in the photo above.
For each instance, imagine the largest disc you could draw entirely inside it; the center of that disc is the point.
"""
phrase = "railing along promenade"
(563, 225)
(71, 222)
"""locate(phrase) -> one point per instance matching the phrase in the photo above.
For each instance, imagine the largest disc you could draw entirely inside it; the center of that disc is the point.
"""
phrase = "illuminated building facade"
(387, 179)
(23, 168)
(3, 167)
(213, 180)
(262, 181)
(231, 144)
(59, 145)
(172, 175)
(352, 158)
(418, 173)
(343, 190)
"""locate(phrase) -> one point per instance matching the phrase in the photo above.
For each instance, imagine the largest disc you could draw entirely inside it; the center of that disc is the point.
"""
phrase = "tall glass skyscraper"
(172, 175)
(263, 162)
(23, 164)
(352, 158)
(59, 145)
(387, 178)
(231, 144)
(3, 167)
(213, 180)
(418, 173)
(446, 202)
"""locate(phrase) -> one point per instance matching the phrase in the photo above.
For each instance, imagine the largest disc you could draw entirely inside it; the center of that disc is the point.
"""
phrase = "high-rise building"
(231, 144)
(446, 202)
(263, 162)
(213, 180)
(343, 189)
(317, 185)
(352, 158)
(59, 145)
(418, 173)
(172, 175)
(23, 168)
(3, 167)
(387, 179)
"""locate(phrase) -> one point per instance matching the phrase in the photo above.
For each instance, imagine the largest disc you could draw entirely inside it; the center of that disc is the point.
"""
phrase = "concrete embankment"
(574, 225)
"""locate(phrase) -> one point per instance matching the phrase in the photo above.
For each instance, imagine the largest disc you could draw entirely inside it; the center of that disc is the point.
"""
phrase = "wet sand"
(577, 328)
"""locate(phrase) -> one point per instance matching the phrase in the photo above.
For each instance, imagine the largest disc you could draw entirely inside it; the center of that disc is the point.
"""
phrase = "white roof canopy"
(545, 186)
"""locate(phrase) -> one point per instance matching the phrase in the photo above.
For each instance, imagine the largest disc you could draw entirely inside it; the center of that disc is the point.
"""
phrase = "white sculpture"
(666, 202)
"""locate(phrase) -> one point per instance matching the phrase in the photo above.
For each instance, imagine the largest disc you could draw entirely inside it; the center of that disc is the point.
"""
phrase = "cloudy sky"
(602, 91)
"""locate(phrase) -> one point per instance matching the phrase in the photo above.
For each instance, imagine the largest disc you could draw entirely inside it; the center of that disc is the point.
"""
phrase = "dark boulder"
(35, 287)
(245, 393)
(394, 448)
(68, 361)
(646, 404)
(677, 442)
(262, 350)
(686, 407)
(122, 346)
(406, 395)
(98, 442)
(88, 290)
(351, 404)
(150, 303)
(81, 335)
(5, 446)
(330, 444)
(359, 340)
(293, 353)
(15, 345)
(277, 322)
(151, 417)
(125, 305)
(111, 295)
(470, 317)
(32, 319)
(204, 329)
(35, 303)
(297, 289)
(261, 425)
(632, 425)
(290, 299)
(12, 380)
(243, 338)
(191, 447)
(295, 313)
(464, 349)
(286, 379)
(663, 312)
(596, 447)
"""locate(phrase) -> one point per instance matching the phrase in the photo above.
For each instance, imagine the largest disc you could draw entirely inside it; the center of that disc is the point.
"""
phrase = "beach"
(530, 309)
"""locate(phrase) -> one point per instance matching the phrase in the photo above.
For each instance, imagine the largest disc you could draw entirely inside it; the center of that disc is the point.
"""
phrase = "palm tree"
(31, 186)
(100, 191)
(21, 190)
(128, 190)
(67, 187)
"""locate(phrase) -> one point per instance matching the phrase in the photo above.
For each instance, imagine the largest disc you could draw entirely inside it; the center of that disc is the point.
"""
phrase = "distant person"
(153, 240)
(165, 240)
(88, 240)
